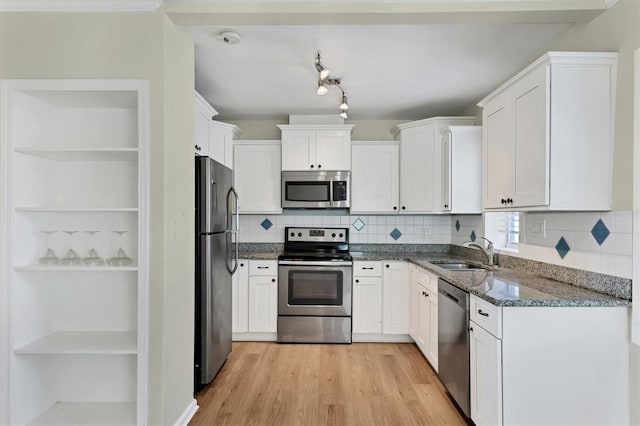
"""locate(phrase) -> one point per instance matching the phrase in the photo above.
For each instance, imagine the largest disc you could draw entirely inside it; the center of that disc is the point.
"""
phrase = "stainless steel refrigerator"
(216, 262)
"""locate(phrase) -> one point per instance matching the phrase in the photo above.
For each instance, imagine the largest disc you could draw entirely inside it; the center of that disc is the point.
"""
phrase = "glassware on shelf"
(121, 258)
(71, 258)
(49, 257)
(92, 258)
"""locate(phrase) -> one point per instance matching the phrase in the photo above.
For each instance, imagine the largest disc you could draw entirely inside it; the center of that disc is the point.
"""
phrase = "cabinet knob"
(319, 166)
(242, 265)
(426, 294)
(395, 207)
(404, 207)
(312, 166)
(386, 266)
(503, 201)
(357, 281)
(510, 200)
(446, 206)
(273, 280)
(470, 328)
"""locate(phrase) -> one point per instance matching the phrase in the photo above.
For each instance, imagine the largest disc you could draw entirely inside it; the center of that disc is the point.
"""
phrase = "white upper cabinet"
(213, 139)
(421, 163)
(548, 135)
(375, 177)
(257, 176)
(461, 170)
(316, 147)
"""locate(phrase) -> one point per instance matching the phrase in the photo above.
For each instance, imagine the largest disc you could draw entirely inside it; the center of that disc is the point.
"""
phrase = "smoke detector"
(228, 37)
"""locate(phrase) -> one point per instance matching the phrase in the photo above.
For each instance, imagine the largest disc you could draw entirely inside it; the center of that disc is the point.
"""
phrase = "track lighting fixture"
(325, 79)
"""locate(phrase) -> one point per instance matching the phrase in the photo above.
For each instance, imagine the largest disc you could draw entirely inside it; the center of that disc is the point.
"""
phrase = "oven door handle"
(313, 263)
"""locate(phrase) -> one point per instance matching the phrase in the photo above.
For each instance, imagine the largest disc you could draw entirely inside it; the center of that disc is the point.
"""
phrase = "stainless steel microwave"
(316, 190)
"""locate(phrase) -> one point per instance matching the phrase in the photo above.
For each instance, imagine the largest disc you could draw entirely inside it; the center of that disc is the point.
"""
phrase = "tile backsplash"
(363, 229)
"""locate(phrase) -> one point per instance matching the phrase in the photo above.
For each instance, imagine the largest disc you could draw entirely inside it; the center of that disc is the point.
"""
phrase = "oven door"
(314, 288)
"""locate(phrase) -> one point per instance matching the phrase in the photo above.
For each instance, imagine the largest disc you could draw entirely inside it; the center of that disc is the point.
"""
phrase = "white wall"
(364, 130)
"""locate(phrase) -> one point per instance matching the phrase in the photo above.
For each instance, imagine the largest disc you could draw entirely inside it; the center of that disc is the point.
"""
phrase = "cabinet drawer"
(486, 315)
(427, 280)
(367, 269)
(263, 267)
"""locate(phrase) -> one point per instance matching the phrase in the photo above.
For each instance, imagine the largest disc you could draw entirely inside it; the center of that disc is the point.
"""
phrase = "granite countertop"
(504, 287)
(499, 286)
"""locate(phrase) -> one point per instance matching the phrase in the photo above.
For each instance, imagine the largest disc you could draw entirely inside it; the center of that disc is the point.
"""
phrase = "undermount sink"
(460, 267)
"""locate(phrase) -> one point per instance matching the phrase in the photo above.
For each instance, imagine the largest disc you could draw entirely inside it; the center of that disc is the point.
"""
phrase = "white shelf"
(83, 154)
(87, 413)
(76, 209)
(61, 268)
(83, 343)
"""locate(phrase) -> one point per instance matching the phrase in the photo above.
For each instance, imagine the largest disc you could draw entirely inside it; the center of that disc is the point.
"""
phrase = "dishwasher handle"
(455, 299)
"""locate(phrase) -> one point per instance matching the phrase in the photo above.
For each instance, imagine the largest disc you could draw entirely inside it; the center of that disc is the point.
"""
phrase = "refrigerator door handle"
(233, 266)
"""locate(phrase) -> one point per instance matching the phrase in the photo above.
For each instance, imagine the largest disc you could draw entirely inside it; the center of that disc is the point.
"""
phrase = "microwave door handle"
(331, 203)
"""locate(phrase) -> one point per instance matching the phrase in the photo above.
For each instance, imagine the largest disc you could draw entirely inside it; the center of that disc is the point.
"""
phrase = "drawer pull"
(263, 267)
(484, 314)
(367, 267)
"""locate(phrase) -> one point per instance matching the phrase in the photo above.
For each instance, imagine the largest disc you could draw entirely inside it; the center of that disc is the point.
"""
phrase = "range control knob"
(341, 235)
(293, 234)
(333, 235)
(299, 234)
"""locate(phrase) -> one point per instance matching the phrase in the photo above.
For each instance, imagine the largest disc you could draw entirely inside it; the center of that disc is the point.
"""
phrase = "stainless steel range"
(314, 286)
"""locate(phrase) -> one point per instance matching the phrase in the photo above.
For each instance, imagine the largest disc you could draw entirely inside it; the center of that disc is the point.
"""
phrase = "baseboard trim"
(377, 338)
(187, 414)
(255, 337)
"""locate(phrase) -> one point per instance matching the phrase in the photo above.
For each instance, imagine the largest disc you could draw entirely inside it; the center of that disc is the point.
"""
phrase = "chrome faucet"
(488, 251)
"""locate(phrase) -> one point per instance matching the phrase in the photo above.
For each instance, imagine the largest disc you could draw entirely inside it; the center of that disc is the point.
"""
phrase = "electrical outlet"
(539, 228)
(426, 233)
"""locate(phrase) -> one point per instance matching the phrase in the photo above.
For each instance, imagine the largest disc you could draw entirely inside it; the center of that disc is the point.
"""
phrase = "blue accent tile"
(395, 234)
(457, 225)
(472, 237)
(266, 224)
(600, 231)
(562, 247)
(358, 224)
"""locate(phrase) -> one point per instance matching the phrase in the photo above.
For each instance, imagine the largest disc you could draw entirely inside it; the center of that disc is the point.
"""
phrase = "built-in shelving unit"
(75, 341)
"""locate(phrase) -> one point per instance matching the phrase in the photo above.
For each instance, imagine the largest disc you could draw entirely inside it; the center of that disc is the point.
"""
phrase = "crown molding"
(80, 5)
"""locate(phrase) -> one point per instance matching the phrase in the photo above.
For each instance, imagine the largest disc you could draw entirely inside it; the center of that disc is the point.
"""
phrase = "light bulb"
(322, 90)
(343, 114)
(324, 74)
(344, 105)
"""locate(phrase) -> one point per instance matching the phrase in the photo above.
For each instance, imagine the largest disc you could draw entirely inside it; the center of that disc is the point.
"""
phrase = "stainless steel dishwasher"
(453, 343)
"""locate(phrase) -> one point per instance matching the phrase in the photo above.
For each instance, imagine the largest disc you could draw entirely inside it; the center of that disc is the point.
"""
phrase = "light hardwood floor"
(368, 384)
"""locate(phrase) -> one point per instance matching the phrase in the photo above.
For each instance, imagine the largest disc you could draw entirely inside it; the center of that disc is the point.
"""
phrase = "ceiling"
(388, 71)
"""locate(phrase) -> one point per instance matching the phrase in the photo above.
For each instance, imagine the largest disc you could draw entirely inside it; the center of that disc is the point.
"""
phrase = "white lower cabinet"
(424, 314)
(549, 365)
(395, 301)
(263, 296)
(240, 298)
(486, 376)
(367, 297)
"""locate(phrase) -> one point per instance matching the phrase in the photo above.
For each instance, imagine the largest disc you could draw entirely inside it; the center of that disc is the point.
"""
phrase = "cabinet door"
(531, 133)
(367, 305)
(298, 149)
(417, 170)
(240, 298)
(486, 376)
(396, 292)
(202, 120)
(257, 177)
(217, 137)
(333, 149)
(445, 203)
(498, 153)
(263, 304)
(432, 349)
(375, 178)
